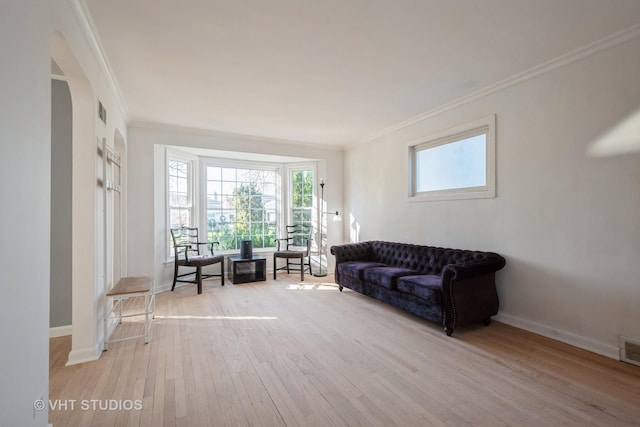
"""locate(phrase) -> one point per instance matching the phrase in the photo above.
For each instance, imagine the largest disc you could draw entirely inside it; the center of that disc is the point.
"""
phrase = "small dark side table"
(245, 270)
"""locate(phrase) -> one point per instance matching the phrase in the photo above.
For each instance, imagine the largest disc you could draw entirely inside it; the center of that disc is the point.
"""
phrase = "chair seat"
(131, 285)
(201, 260)
(290, 254)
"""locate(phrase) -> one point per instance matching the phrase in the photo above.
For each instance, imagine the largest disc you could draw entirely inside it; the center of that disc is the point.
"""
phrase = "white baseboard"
(163, 287)
(84, 355)
(560, 335)
(60, 331)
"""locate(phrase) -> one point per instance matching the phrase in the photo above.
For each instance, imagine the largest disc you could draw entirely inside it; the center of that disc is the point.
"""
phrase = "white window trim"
(233, 163)
(172, 154)
(290, 168)
(485, 125)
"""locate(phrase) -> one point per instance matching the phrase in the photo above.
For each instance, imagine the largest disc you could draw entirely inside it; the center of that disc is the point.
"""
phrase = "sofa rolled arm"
(469, 291)
(490, 263)
(350, 252)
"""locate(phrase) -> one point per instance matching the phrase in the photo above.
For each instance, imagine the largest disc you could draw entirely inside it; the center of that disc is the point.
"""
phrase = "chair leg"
(222, 271)
(274, 268)
(302, 269)
(199, 278)
(175, 276)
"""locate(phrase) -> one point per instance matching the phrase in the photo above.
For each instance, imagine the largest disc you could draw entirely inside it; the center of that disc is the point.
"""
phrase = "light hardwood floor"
(281, 353)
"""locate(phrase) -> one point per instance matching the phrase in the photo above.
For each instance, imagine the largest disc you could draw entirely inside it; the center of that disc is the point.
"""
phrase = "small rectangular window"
(457, 164)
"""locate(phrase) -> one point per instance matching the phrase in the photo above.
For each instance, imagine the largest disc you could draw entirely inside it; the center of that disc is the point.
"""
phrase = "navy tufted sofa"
(453, 287)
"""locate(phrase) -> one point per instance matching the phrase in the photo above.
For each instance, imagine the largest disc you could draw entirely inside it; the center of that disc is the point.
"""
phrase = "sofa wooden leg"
(487, 321)
(448, 330)
(340, 287)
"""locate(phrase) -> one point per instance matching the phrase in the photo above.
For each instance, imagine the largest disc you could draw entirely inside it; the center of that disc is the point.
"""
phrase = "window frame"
(191, 160)
(315, 204)
(486, 126)
(206, 162)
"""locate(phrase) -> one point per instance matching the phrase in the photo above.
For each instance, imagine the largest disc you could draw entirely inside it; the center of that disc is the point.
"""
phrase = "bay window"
(231, 200)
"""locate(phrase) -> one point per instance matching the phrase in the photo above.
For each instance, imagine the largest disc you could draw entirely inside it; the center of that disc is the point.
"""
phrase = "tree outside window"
(302, 203)
(241, 205)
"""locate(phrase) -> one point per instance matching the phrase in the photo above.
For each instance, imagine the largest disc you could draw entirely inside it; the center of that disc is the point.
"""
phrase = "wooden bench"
(129, 287)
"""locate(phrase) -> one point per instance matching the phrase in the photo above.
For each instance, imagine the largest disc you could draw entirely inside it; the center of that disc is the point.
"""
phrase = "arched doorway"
(85, 343)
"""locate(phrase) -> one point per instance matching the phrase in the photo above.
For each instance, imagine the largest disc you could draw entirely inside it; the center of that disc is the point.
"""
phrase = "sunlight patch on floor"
(312, 287)
(183, 317)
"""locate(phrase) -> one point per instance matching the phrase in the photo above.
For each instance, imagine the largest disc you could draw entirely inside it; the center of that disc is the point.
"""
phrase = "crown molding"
(603, 44)
(166, 127)
(83, 17)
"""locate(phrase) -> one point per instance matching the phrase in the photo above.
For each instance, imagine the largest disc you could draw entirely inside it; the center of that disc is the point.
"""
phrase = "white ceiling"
(330, 71)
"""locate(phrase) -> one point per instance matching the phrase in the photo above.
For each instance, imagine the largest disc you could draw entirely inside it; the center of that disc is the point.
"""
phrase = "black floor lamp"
(336, 217)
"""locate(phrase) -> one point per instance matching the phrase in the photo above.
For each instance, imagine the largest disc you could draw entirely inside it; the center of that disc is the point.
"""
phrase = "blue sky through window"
(459, 164)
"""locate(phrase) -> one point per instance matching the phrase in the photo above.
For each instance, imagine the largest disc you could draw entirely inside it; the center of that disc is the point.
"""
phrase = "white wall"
(25, 142)
(73, 50)
(31, 33)
(567, 222)
(146, 218)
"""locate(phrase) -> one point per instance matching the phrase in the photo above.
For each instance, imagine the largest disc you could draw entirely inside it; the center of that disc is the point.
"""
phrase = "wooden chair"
(297, 245)
(187, 253)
